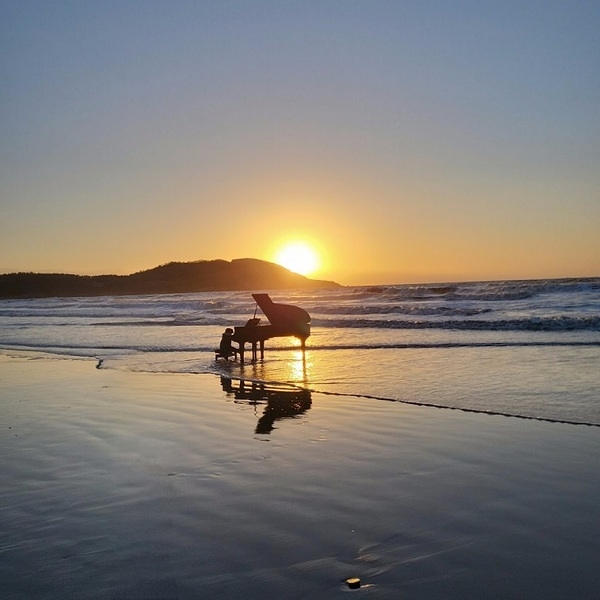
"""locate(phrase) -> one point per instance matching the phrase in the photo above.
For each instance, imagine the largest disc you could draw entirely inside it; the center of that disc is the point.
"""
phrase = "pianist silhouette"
(226, 349)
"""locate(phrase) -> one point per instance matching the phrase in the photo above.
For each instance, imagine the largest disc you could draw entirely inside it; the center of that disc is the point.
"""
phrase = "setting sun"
(299, 257)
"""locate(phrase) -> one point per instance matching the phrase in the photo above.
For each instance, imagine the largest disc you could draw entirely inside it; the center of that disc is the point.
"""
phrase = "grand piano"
(286, 320)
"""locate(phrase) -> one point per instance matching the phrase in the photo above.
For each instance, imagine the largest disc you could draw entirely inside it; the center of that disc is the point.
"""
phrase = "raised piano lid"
(285, 315)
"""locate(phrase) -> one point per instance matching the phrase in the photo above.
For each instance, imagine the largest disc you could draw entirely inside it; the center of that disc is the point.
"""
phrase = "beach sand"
(122, 485)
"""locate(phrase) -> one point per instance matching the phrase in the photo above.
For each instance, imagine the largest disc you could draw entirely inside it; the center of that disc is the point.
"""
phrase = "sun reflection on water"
(298, 367)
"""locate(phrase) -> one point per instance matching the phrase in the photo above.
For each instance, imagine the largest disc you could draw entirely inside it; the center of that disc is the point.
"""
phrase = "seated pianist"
(226, 348)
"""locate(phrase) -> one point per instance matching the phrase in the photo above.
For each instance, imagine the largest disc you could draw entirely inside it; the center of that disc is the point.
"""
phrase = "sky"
(406, 140)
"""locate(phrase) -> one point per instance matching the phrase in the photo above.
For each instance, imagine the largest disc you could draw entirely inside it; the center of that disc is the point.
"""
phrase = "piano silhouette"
(286, 320)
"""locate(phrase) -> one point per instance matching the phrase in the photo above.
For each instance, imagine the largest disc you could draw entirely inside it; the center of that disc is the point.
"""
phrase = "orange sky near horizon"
(407, 142)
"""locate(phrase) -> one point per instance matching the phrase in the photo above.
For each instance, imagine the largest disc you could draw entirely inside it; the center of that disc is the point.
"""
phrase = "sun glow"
(299, 257)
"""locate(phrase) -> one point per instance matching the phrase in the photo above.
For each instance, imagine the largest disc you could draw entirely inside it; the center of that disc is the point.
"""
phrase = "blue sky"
(408, 141)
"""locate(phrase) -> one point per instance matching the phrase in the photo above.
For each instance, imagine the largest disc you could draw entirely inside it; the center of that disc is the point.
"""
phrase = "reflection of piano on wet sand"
(286, 320)
(281, 401)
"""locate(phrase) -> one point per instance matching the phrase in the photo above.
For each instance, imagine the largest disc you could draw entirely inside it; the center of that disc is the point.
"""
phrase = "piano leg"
(253, 351)
(262, 349)
(241, 352)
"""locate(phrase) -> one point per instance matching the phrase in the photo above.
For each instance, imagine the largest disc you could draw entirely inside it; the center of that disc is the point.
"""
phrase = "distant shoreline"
(175, 277)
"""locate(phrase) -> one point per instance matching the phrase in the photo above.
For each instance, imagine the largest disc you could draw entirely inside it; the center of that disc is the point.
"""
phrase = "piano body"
(286, 320)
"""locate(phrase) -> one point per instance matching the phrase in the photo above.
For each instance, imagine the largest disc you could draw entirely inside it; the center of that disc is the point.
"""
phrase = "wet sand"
(123, 485)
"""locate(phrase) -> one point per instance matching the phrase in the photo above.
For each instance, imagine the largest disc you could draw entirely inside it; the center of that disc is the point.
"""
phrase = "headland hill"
(171, 278)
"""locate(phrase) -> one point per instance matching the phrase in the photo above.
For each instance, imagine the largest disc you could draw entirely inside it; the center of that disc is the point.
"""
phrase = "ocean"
(526, 349)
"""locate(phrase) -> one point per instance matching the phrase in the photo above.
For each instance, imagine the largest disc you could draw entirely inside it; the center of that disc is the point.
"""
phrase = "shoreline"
(143, 485)
(34, 354)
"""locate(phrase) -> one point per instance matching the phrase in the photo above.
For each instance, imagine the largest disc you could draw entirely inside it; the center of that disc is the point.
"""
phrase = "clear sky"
(409, 140)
